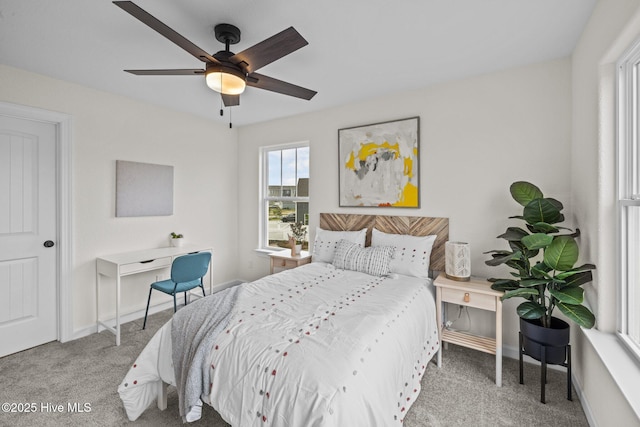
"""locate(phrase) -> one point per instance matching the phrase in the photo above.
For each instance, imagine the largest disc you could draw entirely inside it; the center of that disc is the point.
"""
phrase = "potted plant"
(176, 239)
(298, 233)
(543, 256)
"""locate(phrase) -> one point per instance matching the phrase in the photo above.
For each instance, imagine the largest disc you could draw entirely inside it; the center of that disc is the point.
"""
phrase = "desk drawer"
(477, 300)
(137, 267)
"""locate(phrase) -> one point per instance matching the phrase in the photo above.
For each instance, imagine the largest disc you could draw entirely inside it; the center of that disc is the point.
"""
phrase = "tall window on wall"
(285, 193)
(629, 197)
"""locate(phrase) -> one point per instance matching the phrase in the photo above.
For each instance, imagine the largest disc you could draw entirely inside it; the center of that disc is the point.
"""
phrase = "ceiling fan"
(226, 72)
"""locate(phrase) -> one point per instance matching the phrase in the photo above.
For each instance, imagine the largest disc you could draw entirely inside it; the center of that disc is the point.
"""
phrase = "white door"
(28, 251)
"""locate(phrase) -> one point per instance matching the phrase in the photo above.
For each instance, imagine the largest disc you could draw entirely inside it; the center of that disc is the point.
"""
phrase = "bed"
(343, 341)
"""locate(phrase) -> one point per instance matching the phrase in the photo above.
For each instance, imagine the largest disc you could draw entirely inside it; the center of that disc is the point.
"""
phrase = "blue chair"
(187, 272)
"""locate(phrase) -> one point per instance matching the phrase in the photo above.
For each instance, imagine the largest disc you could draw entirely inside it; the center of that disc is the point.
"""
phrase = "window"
(629, 197)
(285, 193)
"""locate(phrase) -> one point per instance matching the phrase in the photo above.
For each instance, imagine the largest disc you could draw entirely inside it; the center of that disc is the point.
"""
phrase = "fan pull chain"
(221, 110)
(230, 125)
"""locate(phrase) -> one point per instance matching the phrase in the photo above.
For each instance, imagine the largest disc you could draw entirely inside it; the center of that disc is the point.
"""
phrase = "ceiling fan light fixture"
(225, 80)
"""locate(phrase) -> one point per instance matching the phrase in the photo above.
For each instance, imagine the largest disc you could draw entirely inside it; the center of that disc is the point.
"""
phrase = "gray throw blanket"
(193, 330)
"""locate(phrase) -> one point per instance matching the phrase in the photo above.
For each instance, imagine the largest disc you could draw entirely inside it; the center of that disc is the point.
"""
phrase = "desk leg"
(97, 299)
(118, 309)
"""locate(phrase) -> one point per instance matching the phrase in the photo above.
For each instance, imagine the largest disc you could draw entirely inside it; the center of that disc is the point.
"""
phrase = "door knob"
(48, 244)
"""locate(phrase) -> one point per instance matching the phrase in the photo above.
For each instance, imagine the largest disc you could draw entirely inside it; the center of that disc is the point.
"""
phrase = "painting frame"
(379, 164)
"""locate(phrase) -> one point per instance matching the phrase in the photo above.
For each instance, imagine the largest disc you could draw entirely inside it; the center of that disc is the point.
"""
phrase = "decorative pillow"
(374, 261)
(412, 253)
(326, 241)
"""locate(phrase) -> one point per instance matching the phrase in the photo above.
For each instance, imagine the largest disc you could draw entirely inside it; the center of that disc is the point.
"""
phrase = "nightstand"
(475, 293)
(283, 260)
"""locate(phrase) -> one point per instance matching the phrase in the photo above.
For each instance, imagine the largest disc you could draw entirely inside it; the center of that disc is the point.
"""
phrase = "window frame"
(265, 199)
(628, 184)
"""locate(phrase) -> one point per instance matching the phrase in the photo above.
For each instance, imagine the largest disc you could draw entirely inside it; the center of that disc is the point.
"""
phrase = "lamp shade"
(457, 261)
(226, 80)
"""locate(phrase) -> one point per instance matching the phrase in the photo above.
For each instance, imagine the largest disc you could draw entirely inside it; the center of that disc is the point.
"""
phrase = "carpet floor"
(75, 384)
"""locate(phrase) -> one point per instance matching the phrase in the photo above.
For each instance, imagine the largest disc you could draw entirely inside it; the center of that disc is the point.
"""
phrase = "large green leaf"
(528, 283)
(540, 271)
(543, 227)
(521, 292)
(524, 192)
(543, 210)
(530, 310)
(578, 313)
(518, 246)
(503, 284)
(501, 258)
(568, 295)
(577, 279)
(537, 241)
(513, 234)
(562, 253)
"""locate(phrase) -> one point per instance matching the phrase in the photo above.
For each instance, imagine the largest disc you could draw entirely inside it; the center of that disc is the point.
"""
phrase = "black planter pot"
(555, 339)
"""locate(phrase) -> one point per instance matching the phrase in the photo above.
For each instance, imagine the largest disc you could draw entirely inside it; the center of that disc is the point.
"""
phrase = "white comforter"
(313, 346)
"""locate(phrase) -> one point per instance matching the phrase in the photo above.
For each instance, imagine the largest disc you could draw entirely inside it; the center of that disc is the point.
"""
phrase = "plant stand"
(543, 367)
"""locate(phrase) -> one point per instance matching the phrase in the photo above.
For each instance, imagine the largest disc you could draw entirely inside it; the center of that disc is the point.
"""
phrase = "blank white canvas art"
(143, 189)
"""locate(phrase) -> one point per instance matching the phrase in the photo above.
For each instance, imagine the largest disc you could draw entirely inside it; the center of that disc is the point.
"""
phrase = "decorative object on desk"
(176, 239)
(458, 261)
(545, 280)
(379, 164)
(298, 233)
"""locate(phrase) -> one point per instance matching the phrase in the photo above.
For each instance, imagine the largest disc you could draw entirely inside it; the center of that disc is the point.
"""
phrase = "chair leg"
(203, 294)
(144, 325)
(175, 306)
(185, 299)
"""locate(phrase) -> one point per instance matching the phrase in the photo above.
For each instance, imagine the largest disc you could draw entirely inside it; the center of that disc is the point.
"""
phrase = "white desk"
(117, 266)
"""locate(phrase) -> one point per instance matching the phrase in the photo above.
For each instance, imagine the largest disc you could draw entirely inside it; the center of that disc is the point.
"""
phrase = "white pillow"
(412, 253)
(371, 260)
(326, 241)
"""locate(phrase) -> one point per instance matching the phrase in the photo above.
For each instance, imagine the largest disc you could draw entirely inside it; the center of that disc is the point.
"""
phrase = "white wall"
(614, 24)
(477, 137)
(107, 128)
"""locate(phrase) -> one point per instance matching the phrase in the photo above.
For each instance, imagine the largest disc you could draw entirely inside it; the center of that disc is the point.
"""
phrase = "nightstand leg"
(498, 342)
(440, 323)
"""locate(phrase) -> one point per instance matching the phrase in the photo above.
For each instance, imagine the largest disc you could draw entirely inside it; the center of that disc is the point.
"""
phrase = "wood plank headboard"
(412, 225)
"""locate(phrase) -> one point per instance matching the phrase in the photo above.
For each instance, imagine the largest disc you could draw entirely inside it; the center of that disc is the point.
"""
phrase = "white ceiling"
(358, 49)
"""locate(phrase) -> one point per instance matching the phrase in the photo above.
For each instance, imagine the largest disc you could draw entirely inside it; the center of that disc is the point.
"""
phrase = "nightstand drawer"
(470, 299)
(286, 263)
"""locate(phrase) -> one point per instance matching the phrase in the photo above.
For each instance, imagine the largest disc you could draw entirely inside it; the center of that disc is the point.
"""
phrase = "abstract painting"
(379, 164)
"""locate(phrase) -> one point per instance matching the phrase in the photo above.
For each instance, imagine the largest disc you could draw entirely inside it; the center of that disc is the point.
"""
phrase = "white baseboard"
(584, 402)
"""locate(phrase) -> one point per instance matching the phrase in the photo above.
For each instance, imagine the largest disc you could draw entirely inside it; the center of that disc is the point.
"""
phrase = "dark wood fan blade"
(274, 85)
(144, 17)
(177, 72)
(269, 50)
(230, 100)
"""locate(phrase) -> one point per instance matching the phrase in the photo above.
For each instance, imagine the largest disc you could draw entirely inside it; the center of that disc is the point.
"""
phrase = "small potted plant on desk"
(298, 233)
(176, 239)
(545, 282)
